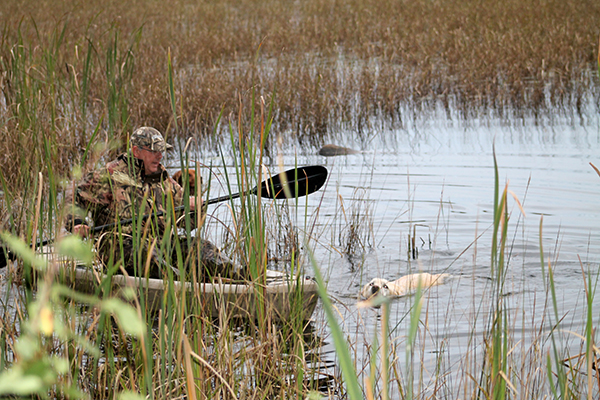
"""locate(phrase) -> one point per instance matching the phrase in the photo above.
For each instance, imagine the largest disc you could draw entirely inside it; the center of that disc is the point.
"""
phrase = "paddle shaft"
(299, 182)
(296, 182)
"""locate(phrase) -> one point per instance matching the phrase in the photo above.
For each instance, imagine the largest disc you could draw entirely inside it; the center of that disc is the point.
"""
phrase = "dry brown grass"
(330, 64)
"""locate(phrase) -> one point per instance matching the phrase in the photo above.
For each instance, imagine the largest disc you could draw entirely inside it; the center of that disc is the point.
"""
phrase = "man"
(136, 184)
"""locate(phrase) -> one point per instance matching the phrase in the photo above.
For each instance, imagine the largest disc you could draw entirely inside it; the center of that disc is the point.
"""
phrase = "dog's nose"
(374, 289)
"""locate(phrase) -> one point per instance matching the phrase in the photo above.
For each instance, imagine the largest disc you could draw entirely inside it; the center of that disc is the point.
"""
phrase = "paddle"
(300, 182)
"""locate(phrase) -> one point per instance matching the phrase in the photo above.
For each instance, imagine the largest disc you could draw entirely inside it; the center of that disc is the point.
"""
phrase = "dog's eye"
(385, 286)
(371, 284)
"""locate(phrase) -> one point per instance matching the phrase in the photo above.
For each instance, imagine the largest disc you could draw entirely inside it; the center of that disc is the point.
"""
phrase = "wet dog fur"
(401, 286)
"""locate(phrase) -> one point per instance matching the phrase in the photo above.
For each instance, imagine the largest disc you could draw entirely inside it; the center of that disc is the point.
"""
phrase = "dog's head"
(179, 177)
(377, 286)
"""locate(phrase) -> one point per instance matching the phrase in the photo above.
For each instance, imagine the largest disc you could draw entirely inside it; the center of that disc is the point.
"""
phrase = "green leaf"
(27, 347)
(126, 315)
(23, 250)
(312, 395)
(130, 396)
(42, 368)
(15, 382)
(60, 365)
(341, 346)
(73, 247)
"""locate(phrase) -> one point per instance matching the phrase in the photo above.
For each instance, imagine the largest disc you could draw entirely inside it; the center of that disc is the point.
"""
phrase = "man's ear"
(135, 151)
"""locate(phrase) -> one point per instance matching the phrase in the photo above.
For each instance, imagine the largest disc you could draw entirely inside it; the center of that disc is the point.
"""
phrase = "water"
(441, 180)
(435, 181)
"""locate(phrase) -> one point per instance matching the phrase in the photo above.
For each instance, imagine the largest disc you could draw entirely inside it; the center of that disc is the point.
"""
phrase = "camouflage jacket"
(122, 190)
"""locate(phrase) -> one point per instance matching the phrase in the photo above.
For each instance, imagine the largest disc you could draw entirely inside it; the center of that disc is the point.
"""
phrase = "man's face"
(150, 158)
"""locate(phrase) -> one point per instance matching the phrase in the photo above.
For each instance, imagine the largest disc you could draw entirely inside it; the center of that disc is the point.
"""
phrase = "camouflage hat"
(149, 138)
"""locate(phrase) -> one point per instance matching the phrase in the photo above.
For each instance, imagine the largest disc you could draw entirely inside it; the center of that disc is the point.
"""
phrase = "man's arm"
(90, 195)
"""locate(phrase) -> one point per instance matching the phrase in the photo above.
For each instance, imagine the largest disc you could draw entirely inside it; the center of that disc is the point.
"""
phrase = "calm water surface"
(436, 180)
(440, 179)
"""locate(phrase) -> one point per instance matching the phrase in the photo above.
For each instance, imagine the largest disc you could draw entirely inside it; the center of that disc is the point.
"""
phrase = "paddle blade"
(300, 182)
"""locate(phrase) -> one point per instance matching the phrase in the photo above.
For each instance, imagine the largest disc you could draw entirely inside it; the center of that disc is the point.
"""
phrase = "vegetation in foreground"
(76, 79)
(56, 342)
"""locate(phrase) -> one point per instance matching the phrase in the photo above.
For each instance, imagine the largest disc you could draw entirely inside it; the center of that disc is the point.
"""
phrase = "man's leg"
(117, 249)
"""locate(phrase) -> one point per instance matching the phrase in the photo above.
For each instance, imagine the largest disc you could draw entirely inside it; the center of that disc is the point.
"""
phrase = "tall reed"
(178, 350)
(498, 361)
(76, 78)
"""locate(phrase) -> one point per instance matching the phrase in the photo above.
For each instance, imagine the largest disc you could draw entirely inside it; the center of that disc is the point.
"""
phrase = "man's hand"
(195, 203)
(82, 230)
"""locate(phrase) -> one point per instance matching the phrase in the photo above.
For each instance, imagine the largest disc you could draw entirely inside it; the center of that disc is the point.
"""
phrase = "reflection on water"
(432, 184)
(436, 183)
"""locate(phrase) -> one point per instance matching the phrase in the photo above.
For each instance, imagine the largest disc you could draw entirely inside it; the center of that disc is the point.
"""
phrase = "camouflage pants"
(200, 258)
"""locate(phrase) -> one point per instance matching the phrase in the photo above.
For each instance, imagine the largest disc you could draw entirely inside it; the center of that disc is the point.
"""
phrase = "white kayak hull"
(282, 298)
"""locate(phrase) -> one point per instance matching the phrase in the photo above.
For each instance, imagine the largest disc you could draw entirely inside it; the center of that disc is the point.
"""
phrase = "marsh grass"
(100, 348)
(323, 66)
(76, 79)
(355, 228)
(180, 352)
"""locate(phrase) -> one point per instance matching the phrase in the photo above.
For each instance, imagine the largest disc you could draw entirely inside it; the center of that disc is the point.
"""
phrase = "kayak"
(283, 297)
(280, 296)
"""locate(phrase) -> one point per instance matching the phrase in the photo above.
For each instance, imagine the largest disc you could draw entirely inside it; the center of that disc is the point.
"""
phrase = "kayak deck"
(282, 297)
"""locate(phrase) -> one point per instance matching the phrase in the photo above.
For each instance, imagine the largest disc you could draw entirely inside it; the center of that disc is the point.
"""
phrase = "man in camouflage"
(131, 186)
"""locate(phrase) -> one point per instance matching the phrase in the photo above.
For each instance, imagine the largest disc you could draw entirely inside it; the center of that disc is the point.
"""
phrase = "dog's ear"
(178, 177)
(192, 179)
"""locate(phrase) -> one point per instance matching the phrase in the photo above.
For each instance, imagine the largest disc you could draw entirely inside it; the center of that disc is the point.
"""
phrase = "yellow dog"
(401, 286)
